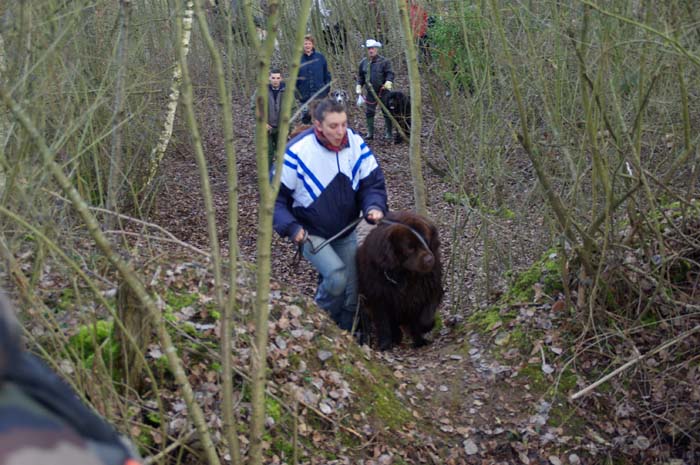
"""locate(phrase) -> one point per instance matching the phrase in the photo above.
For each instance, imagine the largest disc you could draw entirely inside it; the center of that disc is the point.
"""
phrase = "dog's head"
(396, 102)
(340, 96)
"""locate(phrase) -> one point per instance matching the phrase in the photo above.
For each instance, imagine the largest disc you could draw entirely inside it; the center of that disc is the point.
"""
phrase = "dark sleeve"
(283, 220)
(326, 78)
(300, 85)
(388, 72)
(372, 191)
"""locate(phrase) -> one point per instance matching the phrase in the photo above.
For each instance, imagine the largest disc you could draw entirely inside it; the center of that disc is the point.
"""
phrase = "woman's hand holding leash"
(374, 215)
(300, 237)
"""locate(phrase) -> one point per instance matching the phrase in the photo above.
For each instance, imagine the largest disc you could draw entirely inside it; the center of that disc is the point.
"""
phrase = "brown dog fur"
(400, 279)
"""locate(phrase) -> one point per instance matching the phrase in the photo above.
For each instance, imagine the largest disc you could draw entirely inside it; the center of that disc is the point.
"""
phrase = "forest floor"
(475, 398)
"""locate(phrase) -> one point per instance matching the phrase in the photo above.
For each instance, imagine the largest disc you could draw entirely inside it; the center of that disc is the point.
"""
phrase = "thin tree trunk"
(116, 159)
(230, 430)
(138, 326)
(4, 123)
(268, 194)
(419, 193)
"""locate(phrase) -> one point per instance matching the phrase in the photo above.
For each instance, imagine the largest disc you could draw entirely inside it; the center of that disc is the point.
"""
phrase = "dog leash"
(314, 250)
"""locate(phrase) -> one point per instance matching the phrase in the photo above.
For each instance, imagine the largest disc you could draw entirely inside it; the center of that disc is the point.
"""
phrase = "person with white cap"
(376, 75)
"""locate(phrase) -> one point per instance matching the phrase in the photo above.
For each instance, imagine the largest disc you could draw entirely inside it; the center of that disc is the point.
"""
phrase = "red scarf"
(327, 144)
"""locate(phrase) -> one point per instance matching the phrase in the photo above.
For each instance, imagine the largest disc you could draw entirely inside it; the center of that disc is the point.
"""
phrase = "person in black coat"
(374, 73)
(314, 80)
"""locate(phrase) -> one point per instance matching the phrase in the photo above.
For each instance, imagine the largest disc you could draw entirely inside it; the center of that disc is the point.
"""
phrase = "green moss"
(507, 214)
(348, 440)
(562, 415)
(457, 199)
(144, 442)
(439, 324)
(678, 272)
(389, 408)
(215, 314)
(488, 319)
(200, 349)
(649, 320)
(545, 271)
(282, 447)
(100, 333)
(567, 381)
(294, 361)
(83, 339)
(162, 366)
(520, 340)
(67, 299)
(153, 418)
(378, 398)
(535, 378)
(273, 408)
(176, 300)
(189, 328)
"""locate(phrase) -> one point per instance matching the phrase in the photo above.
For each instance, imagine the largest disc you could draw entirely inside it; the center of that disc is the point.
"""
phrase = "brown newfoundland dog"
(400, 277)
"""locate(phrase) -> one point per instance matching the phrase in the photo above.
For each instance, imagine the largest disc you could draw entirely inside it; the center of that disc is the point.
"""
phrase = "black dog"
(399, 105)
(335, 38)
(400, 277)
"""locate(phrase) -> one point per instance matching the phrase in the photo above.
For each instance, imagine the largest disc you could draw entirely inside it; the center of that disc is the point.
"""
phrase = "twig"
(635, 360)
(161, 239)
(160, 455)
(121, 216)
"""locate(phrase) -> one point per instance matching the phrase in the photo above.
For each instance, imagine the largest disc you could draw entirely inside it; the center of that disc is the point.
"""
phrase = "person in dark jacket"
(376, 75)
(41, 419)
(314, 80)
(329, 176)
(275, 91)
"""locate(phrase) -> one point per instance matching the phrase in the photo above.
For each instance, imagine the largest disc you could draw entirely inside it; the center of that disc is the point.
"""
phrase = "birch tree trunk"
(419, 194)
(158, 151)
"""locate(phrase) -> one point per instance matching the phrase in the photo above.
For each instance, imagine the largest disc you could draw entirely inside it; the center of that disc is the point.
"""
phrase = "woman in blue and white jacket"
(328, 177)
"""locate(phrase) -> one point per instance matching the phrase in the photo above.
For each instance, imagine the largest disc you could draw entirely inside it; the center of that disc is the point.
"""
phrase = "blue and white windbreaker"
(323, 191)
